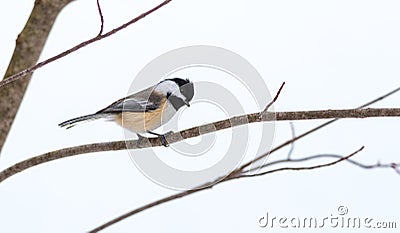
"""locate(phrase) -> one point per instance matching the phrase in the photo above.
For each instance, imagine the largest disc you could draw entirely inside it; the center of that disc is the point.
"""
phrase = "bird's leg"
(141, 141)
(162, 137)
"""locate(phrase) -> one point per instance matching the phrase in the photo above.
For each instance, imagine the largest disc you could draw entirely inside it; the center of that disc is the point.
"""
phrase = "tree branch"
(208, 186)
(29, 70)
(321, 156)
(101, 18)
(273, 100)
(150, 205)
(195, 131)
(155, 142)
(120, 145)
(300, 168)
(58, 154)
(317, 128)
(29, 45)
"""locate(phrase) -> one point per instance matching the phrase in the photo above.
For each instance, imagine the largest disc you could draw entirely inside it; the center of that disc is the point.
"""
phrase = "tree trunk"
(29, 45)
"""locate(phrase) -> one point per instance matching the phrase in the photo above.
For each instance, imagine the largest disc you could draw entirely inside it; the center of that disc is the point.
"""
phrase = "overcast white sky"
(332, 54)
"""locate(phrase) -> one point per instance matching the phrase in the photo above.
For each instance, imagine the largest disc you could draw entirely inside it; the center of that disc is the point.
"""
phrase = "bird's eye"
(169, 94)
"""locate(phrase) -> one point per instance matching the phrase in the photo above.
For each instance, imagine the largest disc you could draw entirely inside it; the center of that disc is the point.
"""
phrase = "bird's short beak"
(187, 103)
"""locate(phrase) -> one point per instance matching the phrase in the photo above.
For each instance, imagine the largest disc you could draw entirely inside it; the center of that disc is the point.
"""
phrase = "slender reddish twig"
(29, 70)
(150, 205)
(301, 168)
(101, 18)
(321, 156)
(274, 100)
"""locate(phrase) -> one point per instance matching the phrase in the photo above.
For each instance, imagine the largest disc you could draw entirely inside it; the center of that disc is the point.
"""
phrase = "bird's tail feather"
(72, 122)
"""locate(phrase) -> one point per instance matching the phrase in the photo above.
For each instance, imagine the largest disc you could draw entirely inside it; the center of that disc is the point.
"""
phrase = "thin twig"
(274, 100)
(58, 154)
(29, 70)
(321, 156)
(395, 167)
(302, 115)
(292, 130)
(313, 130)
(301, 168)
(101, 18)
(203, 187)
(153, 204)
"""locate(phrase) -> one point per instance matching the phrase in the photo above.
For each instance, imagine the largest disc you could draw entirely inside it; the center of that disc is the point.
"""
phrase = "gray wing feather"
(138, 102)
(128, 105)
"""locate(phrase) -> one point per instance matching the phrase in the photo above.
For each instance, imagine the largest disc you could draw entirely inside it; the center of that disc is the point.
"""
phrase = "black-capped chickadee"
(145, 110)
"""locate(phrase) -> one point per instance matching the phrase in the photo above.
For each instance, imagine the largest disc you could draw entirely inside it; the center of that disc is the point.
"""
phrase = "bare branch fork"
(238, 173)
(241, 172)
(322, 156)
(211, 185)
(100, 36)
(207, 128)
(300, 168)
